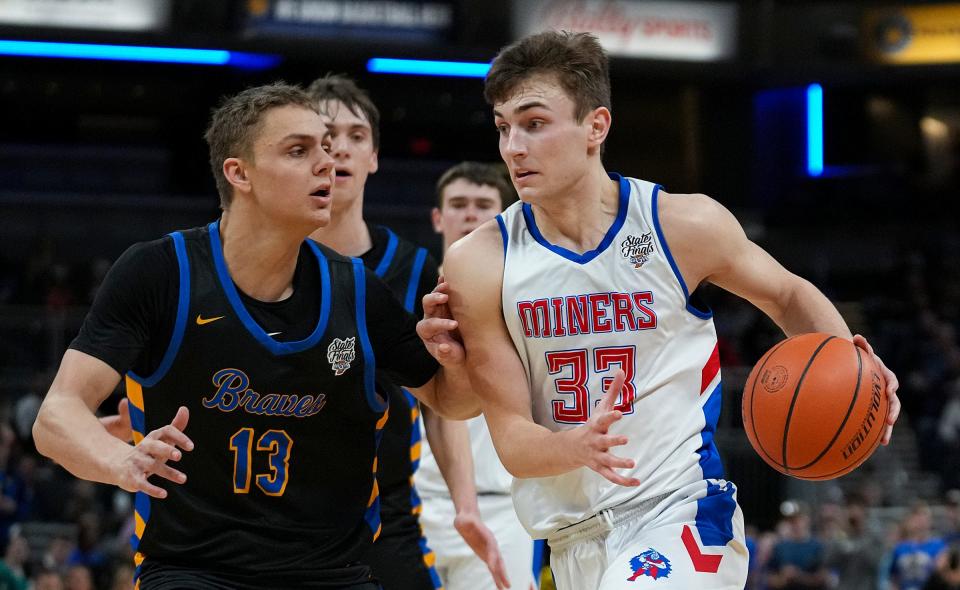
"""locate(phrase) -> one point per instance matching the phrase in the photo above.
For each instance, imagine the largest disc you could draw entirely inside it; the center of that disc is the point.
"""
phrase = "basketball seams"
(763, 363)
(853, 403)
(876, 442)
(793, 402)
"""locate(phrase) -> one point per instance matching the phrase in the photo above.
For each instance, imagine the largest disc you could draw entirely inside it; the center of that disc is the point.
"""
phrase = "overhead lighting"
(420, 67)
(814, 130)
(213, 57)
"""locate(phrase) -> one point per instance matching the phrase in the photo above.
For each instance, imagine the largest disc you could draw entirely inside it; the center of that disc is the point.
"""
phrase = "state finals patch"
(650, 563)
(340, 354)
(638, 250)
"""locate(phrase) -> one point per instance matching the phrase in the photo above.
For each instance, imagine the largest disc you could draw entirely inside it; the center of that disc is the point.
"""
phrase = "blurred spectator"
(81, 499)
(58, 551)
(760, 550)
(122, 577)
(26, 408)
(79, 577)
(853, 555)
(914, 559)
(949, 432)
(947, 576)
(10, 485)
(87, 552)
(48, 580)
(797, 562)
(951, 521)
(26, 472)
(12, 574)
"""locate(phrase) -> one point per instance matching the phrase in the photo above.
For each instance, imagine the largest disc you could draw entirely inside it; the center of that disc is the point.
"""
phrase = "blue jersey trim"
(702, 314)
(503, 234)
(249, 323)
(415, 436)
(141, 505)
(369, 362)
(384, 264)
(138, 419)
(715, 510)
(372, 515)
(604, 243)
(710, 462)
(430, 563)
(179, 326)
(409, 302)
(538, 549)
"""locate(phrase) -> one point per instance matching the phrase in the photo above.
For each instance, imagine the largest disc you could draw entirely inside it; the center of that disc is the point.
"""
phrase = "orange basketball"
(814, 406)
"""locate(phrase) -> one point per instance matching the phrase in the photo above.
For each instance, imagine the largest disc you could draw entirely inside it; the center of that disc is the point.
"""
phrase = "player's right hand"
(151, 455)
(595, 442)
(484, 545)
(438, 329)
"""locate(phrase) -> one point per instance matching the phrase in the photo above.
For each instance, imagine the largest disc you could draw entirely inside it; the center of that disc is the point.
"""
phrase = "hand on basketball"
(892, 385)
(119, 425)
(151, 455)
(595, 441)
(484, 545)
(438, 329)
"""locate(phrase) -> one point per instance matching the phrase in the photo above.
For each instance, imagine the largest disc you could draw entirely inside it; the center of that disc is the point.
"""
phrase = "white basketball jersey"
(575, 319)
(490, 475)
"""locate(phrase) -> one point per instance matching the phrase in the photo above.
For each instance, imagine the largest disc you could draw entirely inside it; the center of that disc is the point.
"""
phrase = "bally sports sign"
(690, 31)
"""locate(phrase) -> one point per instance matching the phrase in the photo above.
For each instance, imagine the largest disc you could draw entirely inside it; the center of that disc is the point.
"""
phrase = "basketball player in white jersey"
(596, 365)
(469, 194)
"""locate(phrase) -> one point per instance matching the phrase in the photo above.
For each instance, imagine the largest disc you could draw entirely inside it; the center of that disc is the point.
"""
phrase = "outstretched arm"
(67, 431)
(740, 266)
(450, 443)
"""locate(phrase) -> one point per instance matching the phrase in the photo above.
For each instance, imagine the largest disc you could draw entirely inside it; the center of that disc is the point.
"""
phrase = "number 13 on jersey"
(278, 443)
(573, 368)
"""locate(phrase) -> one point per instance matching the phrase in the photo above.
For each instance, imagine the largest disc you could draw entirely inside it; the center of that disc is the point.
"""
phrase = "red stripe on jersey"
(711, 369)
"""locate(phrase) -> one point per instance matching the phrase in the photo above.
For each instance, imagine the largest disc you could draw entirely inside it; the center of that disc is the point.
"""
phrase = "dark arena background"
(831, 130)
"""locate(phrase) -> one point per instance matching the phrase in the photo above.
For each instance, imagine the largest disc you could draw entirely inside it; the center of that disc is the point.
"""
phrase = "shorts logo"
(638, 250)
(650, 563)
(340, 354)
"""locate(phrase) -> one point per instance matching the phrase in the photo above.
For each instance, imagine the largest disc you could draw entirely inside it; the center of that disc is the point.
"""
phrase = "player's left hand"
(594, 440)
(438, 329)
(892, 385)
(484, 545)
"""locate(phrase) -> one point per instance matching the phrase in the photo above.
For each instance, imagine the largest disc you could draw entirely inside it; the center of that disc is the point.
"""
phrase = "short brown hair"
(577, 59)
(343, 89)
(481, 174)
(236, 122)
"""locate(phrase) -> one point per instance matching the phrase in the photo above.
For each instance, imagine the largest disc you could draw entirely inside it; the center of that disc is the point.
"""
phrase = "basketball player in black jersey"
(400, 558)
(262, 346)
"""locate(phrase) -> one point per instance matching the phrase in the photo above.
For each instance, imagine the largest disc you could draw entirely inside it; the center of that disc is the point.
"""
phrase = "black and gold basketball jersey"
(409, 272)
(281, 479)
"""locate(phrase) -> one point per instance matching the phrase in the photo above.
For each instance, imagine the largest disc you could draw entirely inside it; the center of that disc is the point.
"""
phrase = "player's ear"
(435, 218)
(374, 161)
(234, 169)
(600, 120)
